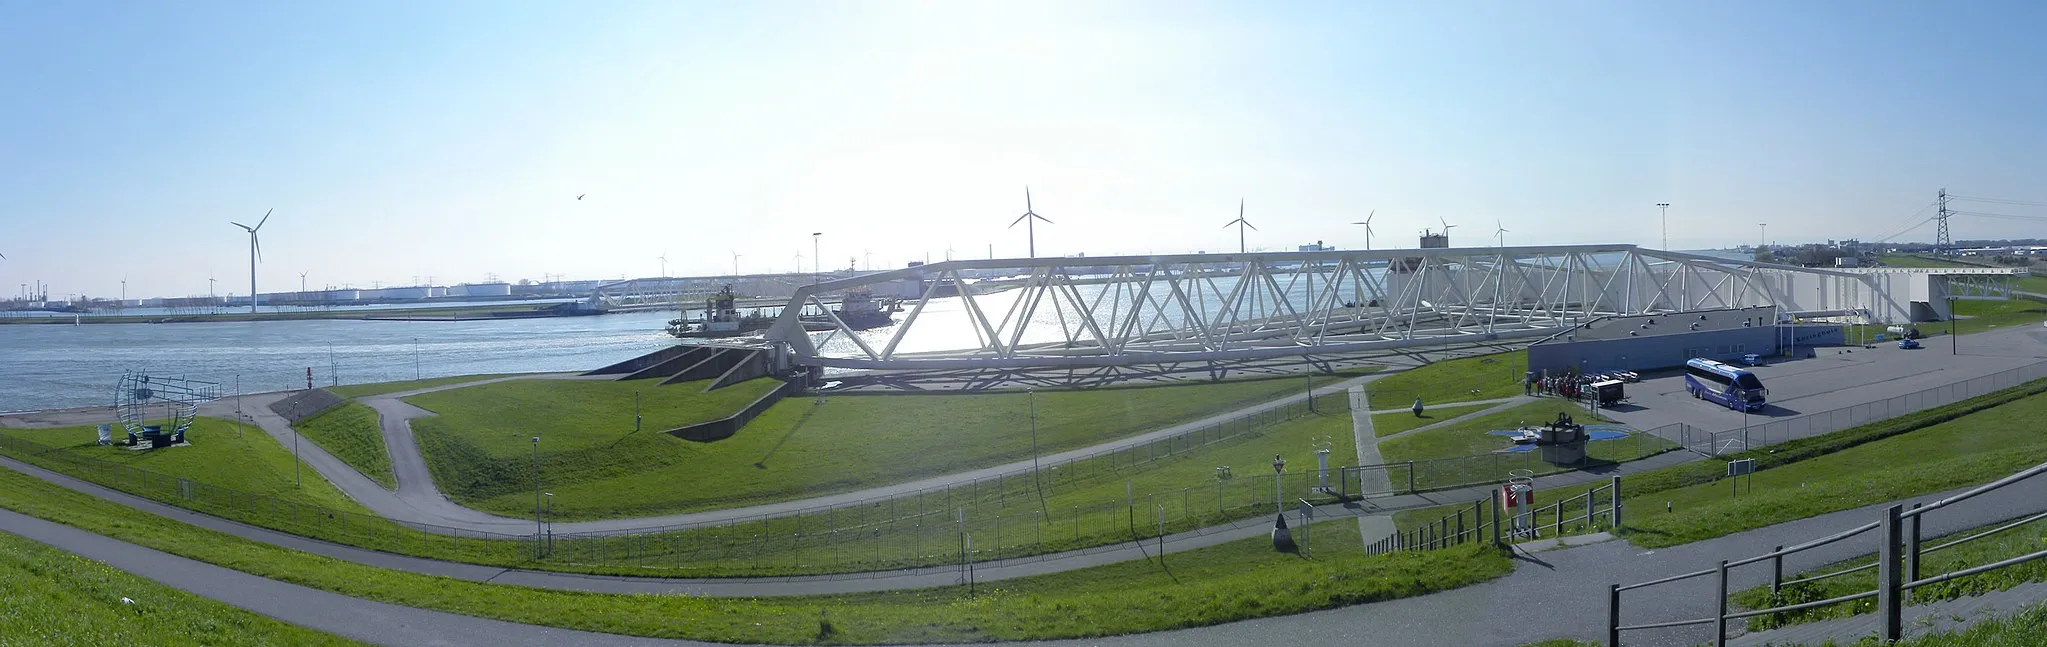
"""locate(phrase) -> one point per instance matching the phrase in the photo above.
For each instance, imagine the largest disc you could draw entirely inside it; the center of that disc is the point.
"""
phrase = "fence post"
(1613, 515)
(1613, 615)
(1889, 608)
(1720, 608)
(1912, 548)
(1493, 505)
(1776, 569)
(1588, 510)
(1410, 477)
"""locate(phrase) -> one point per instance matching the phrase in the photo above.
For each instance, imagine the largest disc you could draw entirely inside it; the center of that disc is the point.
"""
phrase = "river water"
(53, 366)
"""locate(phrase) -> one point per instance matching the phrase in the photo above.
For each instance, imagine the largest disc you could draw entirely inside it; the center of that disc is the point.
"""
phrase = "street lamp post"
(816, 262)
(538, 528)
(1665, 206)
(297, 481)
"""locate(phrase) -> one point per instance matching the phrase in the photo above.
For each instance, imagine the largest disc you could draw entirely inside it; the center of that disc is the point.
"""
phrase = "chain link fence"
(1718, 443)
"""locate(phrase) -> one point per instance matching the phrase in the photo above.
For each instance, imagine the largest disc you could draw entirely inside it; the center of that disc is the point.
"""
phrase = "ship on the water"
(721, 319)
(861, 310)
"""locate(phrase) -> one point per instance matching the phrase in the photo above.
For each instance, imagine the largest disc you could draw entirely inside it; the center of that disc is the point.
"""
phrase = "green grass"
(1931, 451)
(2018, 541)
(1470, 437)
(1484, 377)
(1915, 260)
(221, 453)
(1087, 507)
(801, 447)
(1233, 581)
(380, 388)
(2026, 628)
(1062, 510)
(350, 431)
(56, 598)
(1387, 424)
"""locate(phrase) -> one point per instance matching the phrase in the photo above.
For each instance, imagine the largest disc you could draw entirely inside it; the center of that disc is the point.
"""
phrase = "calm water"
(50, 366)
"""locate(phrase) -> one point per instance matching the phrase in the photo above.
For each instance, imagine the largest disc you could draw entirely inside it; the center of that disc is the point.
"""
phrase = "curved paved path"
(419, 501)
(1553, 594)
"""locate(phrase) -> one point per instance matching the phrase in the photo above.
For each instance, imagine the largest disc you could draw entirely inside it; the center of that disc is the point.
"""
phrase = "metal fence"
(1899, 555)
(1504, 523)
(1407, 477)
(1732, 441)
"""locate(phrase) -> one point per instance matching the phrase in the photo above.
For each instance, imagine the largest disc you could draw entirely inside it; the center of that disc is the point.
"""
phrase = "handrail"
(2027, 473)
(1974, 570)
(1987, 533)
(1670, 579)
(1803, 605)
(1823, 576)
(1816, 543)
(1660, 625)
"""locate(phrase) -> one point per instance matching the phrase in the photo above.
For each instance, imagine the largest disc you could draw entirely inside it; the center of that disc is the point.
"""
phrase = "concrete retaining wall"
(725, 427)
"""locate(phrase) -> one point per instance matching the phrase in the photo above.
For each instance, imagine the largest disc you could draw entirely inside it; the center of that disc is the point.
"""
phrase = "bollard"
(1890, 610)
(1495, 506)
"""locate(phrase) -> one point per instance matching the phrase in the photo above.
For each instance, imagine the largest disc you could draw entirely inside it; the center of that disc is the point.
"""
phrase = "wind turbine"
(1030, 221)
(1446, 230)
(1367, 222)
(302, 280)
(799, 262)
(1240, 223)
(1501, 231)
(664, 263)
(735, 265)
(255, 252)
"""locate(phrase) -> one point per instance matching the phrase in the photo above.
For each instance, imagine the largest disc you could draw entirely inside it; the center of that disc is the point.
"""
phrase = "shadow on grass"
(800, 421)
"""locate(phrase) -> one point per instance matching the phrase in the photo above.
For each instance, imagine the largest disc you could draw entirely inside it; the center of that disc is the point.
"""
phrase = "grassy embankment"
(1966, 443)
(351, 433)
(1387, 424)
(1081, 505)
(1233, 581)
(221, 453)
(591, 459)
(380, 388)
(1484, 377)
(56, 598)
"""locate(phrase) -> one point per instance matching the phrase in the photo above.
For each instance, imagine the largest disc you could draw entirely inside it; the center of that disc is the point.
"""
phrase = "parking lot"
(1836, 377)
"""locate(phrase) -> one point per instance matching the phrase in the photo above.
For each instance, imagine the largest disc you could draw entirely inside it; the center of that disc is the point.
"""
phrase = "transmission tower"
(1942, 243)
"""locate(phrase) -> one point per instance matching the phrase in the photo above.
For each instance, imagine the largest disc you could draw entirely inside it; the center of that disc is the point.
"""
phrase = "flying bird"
(579, 196)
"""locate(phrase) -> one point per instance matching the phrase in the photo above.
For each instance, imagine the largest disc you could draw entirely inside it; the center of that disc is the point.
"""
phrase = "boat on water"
(721, 319)
(861, 310)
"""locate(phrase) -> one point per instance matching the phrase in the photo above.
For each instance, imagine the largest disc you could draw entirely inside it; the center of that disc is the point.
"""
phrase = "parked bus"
(1725, 385)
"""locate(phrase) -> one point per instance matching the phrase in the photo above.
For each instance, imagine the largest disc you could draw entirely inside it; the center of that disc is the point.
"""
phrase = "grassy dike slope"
(1234, 581)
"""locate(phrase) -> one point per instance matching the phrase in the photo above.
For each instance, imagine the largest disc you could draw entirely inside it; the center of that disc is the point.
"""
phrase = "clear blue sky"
(449, 139)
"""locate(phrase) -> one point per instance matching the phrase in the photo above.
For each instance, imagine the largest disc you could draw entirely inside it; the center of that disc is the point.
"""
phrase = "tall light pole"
(1763, 227)
(415, 359)
(816, 262)
(1665, 206)
(537, 528)
(297, 481)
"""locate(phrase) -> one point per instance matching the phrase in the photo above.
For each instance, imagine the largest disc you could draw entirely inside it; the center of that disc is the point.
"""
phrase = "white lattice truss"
(1134, 310)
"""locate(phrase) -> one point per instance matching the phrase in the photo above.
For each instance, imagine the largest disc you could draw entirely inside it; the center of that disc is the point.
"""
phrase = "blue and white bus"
(1725, 385)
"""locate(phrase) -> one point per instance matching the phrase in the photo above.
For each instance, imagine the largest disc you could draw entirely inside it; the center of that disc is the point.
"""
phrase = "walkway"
(1371, 528)
(1559, 593)
(1919, 620)
(419, 501)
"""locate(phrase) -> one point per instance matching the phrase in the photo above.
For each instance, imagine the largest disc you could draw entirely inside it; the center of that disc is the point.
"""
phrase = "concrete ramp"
(643, 362)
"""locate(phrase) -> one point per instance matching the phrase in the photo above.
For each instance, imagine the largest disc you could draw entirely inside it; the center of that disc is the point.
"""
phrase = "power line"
(1912, 222)
(2005, 216)
(2023, 203)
